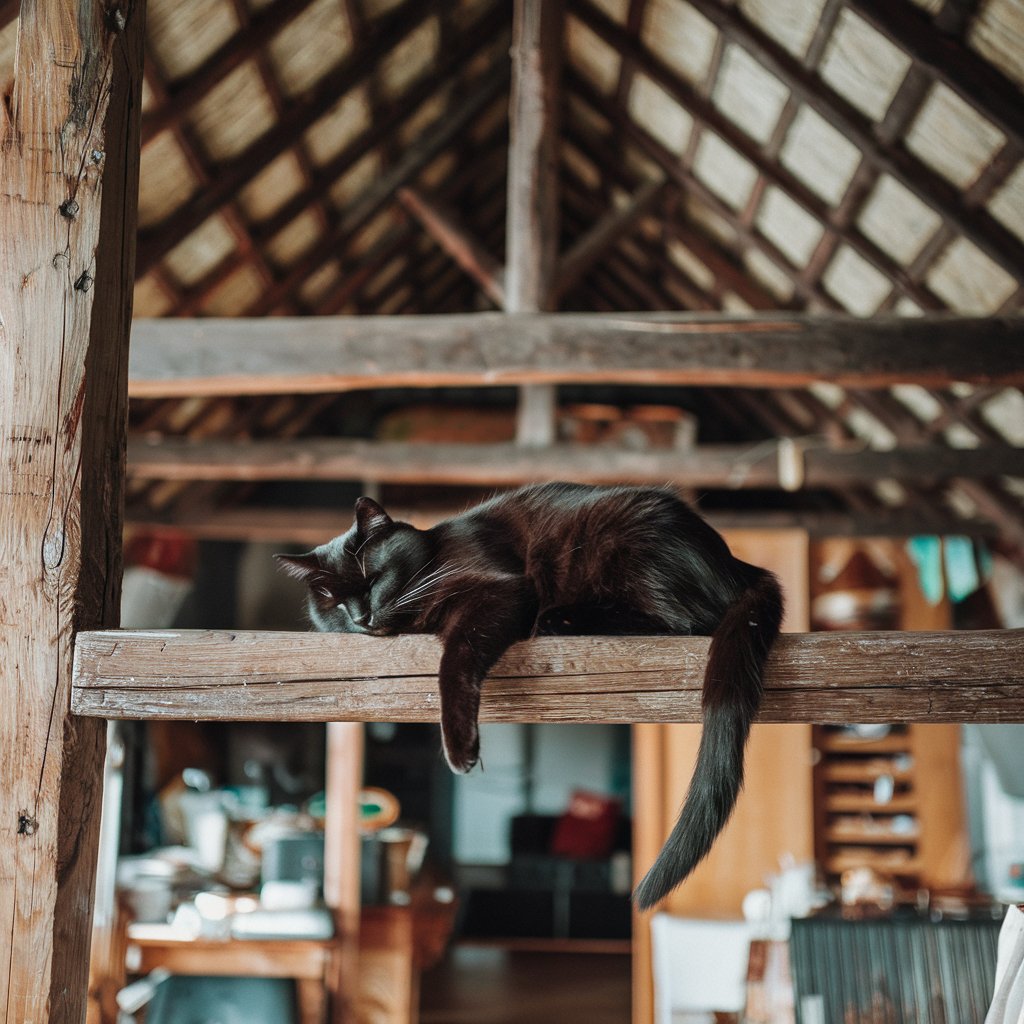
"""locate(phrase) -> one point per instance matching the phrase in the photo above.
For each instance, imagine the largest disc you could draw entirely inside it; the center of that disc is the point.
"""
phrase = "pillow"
(586, 831)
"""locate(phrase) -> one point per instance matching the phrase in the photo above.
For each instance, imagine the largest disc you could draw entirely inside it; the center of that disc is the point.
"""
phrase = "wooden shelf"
(866, 804)
(840, 744)
(871, 837)
(239, 676)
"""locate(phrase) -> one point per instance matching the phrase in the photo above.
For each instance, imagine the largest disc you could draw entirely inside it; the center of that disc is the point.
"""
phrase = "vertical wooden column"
(341, 860)
(531, 251)
(69, 154)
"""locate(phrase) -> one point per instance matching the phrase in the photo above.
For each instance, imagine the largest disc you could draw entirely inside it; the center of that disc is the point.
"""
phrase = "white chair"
(699, 967)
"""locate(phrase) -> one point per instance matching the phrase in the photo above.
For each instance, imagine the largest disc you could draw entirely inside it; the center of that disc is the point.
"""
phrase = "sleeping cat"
(563, 558)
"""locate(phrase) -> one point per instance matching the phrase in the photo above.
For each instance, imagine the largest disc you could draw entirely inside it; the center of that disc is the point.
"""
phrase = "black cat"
(564, 558)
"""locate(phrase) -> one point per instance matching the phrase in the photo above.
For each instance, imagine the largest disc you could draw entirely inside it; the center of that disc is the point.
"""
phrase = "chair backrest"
(698, 965)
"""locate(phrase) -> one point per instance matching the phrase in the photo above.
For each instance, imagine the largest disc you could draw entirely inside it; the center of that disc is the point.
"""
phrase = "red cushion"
(586, 831)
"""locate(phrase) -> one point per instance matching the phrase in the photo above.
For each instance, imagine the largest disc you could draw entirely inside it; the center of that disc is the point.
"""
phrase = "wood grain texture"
(68, 186)
(758, 464)
(179, 357)
(973, 676)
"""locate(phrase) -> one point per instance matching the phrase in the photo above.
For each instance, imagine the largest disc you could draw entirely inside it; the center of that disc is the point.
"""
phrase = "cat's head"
(368, 579)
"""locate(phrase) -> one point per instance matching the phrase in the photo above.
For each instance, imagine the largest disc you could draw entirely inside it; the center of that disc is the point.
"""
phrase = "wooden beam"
(975, 676)
(69, 156)
(531, 232)
(446, 228)
(532, 208)
(180, 358)
(786, 463)
(605, 234)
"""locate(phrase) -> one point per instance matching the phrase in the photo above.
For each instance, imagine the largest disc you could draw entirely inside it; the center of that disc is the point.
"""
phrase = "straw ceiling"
(820, 155)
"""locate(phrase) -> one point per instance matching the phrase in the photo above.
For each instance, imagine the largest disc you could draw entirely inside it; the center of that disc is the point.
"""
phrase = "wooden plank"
(69, 155)
(975, 676)
(729, 466)
(173, 358)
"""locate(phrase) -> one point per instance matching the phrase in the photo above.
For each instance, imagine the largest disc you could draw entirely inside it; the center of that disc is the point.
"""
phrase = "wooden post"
(69, 155)
(532, 224)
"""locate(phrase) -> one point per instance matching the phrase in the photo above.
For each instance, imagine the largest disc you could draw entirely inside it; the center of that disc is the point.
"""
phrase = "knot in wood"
(28, 824)
(84, 282)
(69, 208)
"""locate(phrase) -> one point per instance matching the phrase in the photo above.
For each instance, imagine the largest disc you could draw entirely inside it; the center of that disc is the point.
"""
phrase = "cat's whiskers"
(424, 588)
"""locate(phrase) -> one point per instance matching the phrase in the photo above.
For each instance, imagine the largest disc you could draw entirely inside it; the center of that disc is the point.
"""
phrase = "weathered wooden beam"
(592, 246)
(312, 526)
(69, 156)
(179, 358)
(446, 228)
(812, 677)
(531, 232)
(532, 208)
(770, 464)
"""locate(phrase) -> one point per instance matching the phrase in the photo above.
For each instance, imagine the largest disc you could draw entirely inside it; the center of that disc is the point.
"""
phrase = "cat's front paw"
(461, 752)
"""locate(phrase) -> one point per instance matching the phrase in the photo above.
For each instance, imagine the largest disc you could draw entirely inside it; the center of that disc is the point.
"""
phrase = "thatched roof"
(815, 155)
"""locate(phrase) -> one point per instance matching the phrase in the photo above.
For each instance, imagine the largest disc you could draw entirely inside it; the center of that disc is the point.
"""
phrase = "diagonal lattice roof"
(820, 155)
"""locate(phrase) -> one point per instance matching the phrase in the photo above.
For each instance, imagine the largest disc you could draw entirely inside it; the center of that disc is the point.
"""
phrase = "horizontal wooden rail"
(177, 357)
(970, 676)
(794, 464)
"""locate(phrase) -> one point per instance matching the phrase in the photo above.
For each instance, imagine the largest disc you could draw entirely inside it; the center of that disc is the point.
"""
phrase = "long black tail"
(731, 698)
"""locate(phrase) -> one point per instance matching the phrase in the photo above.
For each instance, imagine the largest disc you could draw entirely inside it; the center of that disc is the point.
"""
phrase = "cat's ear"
(370, 517)
(302, 567)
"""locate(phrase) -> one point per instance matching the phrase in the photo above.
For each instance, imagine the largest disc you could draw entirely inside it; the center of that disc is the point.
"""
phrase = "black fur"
(564, 558)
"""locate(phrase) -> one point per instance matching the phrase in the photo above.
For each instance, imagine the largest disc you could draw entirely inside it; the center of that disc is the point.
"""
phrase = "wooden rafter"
(950, 61)
(444, 225)
(245, 44)
(390, 30)
(771, 168)
(975, 224)
(434, 140)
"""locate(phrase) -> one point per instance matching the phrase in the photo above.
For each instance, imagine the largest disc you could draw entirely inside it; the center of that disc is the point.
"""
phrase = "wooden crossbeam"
(767, 464)
(975, 676)
(179, 358)
(605, 234)
(446, 228)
